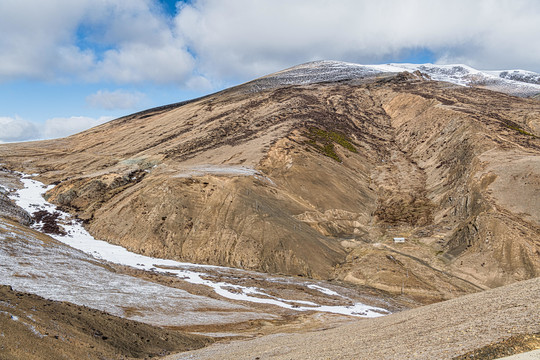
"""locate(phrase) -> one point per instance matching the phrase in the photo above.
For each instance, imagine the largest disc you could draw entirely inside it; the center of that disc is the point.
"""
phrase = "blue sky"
(66, 65)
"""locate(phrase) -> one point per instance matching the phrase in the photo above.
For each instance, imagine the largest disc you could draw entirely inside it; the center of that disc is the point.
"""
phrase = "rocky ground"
(507, 316)
(32, 327)
(516, 344)
(34, 262)
(316, 180)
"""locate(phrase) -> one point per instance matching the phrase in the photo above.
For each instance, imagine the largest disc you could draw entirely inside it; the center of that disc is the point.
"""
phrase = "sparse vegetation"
(48, 222)
(324, 141)
(58, 330)
(412, 210)
(513, 345)
(518, 129)
(329, 151)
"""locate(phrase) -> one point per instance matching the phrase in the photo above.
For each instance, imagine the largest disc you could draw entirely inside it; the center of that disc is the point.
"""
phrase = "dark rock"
(11, 211)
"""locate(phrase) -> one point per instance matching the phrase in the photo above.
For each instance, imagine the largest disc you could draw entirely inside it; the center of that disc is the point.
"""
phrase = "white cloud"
(107, 40)
(135, 63)
(112, 100)
(17, 129)
(236, 40)
(199, 83)
(33, 36)
(61, 127)
(244, 38)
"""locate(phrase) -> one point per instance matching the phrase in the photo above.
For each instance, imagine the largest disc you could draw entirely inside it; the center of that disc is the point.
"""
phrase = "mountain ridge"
(513, 82)
(367, 71)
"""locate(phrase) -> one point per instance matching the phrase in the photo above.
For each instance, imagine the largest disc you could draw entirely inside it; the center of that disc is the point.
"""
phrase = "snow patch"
(223, 170)
(323, 290)
(29, 326)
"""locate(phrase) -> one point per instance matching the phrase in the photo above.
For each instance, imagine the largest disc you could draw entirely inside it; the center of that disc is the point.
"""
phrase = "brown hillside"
(32, 327)
(316, 180)
(485, 325)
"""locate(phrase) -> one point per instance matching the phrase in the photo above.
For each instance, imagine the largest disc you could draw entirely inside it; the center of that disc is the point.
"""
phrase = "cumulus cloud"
(239, 37)
(112, 40)
(17, 129)
(35, 38)
(135, 63)
(112, 100)
(213, 40)
(199, 83)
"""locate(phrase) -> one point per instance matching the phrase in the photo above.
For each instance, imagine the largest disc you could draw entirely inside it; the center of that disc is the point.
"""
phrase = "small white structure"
(399, 240)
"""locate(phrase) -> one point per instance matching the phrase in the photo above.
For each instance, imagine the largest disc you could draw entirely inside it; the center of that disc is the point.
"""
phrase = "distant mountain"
(314, 170)
(514, 82)
(518, 75)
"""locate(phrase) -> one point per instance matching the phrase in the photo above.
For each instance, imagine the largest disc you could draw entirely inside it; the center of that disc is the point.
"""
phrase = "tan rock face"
(316, 181)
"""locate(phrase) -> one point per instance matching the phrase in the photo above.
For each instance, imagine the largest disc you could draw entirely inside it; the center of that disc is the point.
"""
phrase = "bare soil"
(32, 327)
(467, 325)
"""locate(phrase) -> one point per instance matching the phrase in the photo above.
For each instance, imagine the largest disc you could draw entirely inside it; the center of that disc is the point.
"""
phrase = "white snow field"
(30, 198)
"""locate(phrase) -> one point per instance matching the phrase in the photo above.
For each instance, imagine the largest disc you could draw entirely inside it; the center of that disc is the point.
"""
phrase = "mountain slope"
(315, 179)
(444, 330)
(37, 328)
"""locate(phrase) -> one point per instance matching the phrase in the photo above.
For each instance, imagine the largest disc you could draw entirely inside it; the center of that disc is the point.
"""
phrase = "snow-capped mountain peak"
(514, 82)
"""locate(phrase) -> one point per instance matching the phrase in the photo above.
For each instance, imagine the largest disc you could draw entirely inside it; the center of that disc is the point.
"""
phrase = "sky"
(68, 65)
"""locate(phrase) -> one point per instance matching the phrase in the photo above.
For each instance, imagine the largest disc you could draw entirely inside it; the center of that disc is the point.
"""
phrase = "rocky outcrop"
(11, 211)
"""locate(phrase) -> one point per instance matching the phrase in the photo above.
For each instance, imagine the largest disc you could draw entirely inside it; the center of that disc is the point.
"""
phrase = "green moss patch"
(518, 129)
(324, 142)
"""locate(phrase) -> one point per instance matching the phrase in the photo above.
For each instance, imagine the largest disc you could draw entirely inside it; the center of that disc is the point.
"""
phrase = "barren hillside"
(485, 325)
(36, 328)
(316, 180)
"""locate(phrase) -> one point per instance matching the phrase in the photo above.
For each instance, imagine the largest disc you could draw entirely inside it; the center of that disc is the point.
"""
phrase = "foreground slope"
(167, 294)
(438, 331)
(316, 180)
(36, 328)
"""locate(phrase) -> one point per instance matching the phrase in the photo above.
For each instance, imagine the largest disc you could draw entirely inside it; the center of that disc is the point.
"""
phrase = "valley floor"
(439, 331)
(214, 301)
(251, 315)
(297, 185)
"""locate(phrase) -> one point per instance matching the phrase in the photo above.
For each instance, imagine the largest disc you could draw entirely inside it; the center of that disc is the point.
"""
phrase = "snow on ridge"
(514, 82)
(232, 170)
(222, 170)
(517, 75)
